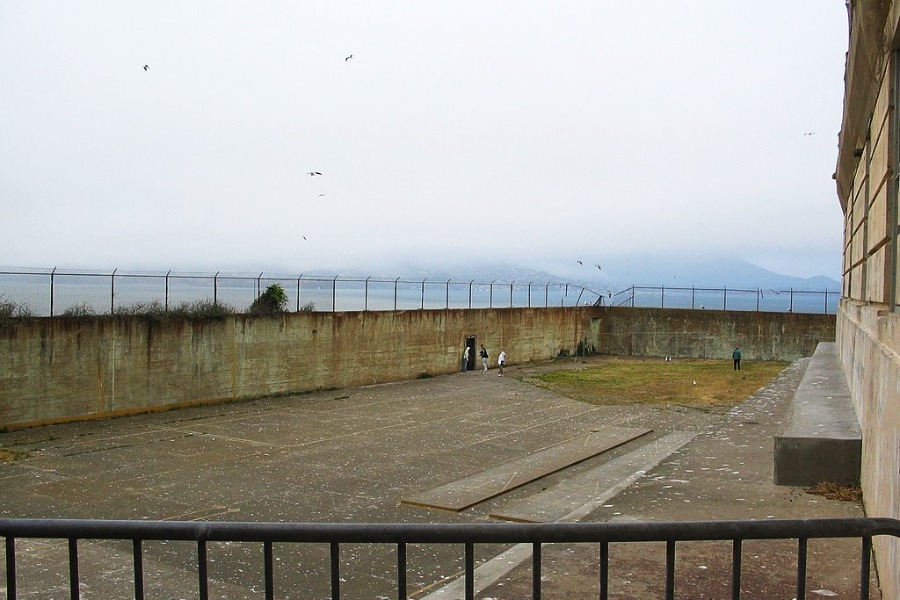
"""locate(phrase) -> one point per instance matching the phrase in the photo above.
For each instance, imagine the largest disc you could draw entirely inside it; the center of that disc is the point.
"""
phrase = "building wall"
(61, 368)
(868, 324)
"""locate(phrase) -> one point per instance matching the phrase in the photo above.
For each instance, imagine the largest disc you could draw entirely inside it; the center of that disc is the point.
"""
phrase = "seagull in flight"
(348, 58)
(313, 173)
(599, 267)
(320, 195)
(146, 67)
(580, 263)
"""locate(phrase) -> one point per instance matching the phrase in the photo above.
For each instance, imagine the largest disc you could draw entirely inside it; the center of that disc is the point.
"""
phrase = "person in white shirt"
(501, 362)
(466, 359)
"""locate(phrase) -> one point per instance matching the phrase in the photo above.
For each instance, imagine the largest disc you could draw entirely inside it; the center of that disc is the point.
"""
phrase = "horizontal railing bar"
(424, 533)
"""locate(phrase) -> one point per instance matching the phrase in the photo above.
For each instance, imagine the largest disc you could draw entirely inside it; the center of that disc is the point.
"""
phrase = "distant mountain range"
(623, 273)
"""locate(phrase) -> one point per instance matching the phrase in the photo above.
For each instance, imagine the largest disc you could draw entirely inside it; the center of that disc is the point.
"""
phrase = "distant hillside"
(621, 273)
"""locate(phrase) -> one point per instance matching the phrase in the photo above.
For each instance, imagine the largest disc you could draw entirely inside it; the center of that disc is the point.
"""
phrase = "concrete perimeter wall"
(54, 369)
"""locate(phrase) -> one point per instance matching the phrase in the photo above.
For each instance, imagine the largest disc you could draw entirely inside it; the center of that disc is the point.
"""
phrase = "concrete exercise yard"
(371, 454)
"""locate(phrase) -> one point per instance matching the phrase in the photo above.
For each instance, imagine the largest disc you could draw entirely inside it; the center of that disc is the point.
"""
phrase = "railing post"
(791, 307)
(335, 571)
(366, 299)
(662, 296)
(216, 289)
(529, 294)
(725, 298)
(470, 294)
(11, 567)
(166, 301)
(693, 292)
(74, 588)
(757, 299)
(491, 296)
(547, 296)
(511, 293)
(447, 306)
(202, 570)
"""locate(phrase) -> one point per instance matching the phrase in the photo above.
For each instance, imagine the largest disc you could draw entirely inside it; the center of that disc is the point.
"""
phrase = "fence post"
(447, 307)
(298, 291)
(470, 294)
(52, 275)
(216, 288)
(725, 298)
(423, 294)
(166, 300)
(791, 307)
(511, 294)
(826, 302)
(757, 299)
(529, 294)
(334, 294)
(112, 292)
(366, 299)
(491, 296)
(547, 295)
(395, 293)
(662, 296)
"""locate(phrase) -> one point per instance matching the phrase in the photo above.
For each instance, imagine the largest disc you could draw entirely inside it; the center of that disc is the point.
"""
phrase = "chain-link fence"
(53, 292)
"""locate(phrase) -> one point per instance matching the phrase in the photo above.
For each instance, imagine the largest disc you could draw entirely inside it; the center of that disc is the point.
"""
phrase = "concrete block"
(822, 440)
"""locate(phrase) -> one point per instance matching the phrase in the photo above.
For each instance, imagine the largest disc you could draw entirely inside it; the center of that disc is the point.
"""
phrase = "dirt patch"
(836, 491)
(8, 456)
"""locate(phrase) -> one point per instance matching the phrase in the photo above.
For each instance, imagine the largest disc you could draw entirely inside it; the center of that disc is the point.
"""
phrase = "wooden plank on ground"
(469, 491)
(577, 496)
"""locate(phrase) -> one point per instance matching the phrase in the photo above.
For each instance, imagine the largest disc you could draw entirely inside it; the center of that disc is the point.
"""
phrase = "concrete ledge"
(822, 439)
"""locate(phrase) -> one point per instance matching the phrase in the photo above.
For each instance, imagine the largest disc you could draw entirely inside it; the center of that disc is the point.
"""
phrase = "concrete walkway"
(353, 455)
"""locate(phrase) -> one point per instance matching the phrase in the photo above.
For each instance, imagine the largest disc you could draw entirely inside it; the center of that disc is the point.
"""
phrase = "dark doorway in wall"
(470, 344)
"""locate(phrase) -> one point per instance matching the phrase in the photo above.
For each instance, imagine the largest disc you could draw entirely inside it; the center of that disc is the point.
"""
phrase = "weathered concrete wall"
(64, 368)
(67, 368)
(868, 340)
(710, 333)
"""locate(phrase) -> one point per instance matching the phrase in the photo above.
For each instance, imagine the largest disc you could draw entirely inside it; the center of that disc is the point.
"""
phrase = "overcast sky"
(516, 132)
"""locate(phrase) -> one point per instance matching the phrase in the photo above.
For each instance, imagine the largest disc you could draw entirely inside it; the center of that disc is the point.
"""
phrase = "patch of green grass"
(654, 381)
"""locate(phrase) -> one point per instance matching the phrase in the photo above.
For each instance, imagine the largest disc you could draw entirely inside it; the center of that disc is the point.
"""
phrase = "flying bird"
(320, 195)
(146, 67)
(599, 267)
(313, 173)
(580, 263)
(348, 58)
(810, 133)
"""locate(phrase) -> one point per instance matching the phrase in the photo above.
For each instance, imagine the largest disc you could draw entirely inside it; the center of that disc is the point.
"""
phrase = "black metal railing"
(335, 534)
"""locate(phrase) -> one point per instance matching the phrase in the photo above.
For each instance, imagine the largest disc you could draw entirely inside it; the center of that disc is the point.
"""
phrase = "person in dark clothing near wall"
(736, 357)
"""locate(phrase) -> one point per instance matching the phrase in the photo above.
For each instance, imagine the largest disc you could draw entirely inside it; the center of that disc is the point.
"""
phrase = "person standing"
(736, 357)
(484, 359)
(466, 359)
(501, 362)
